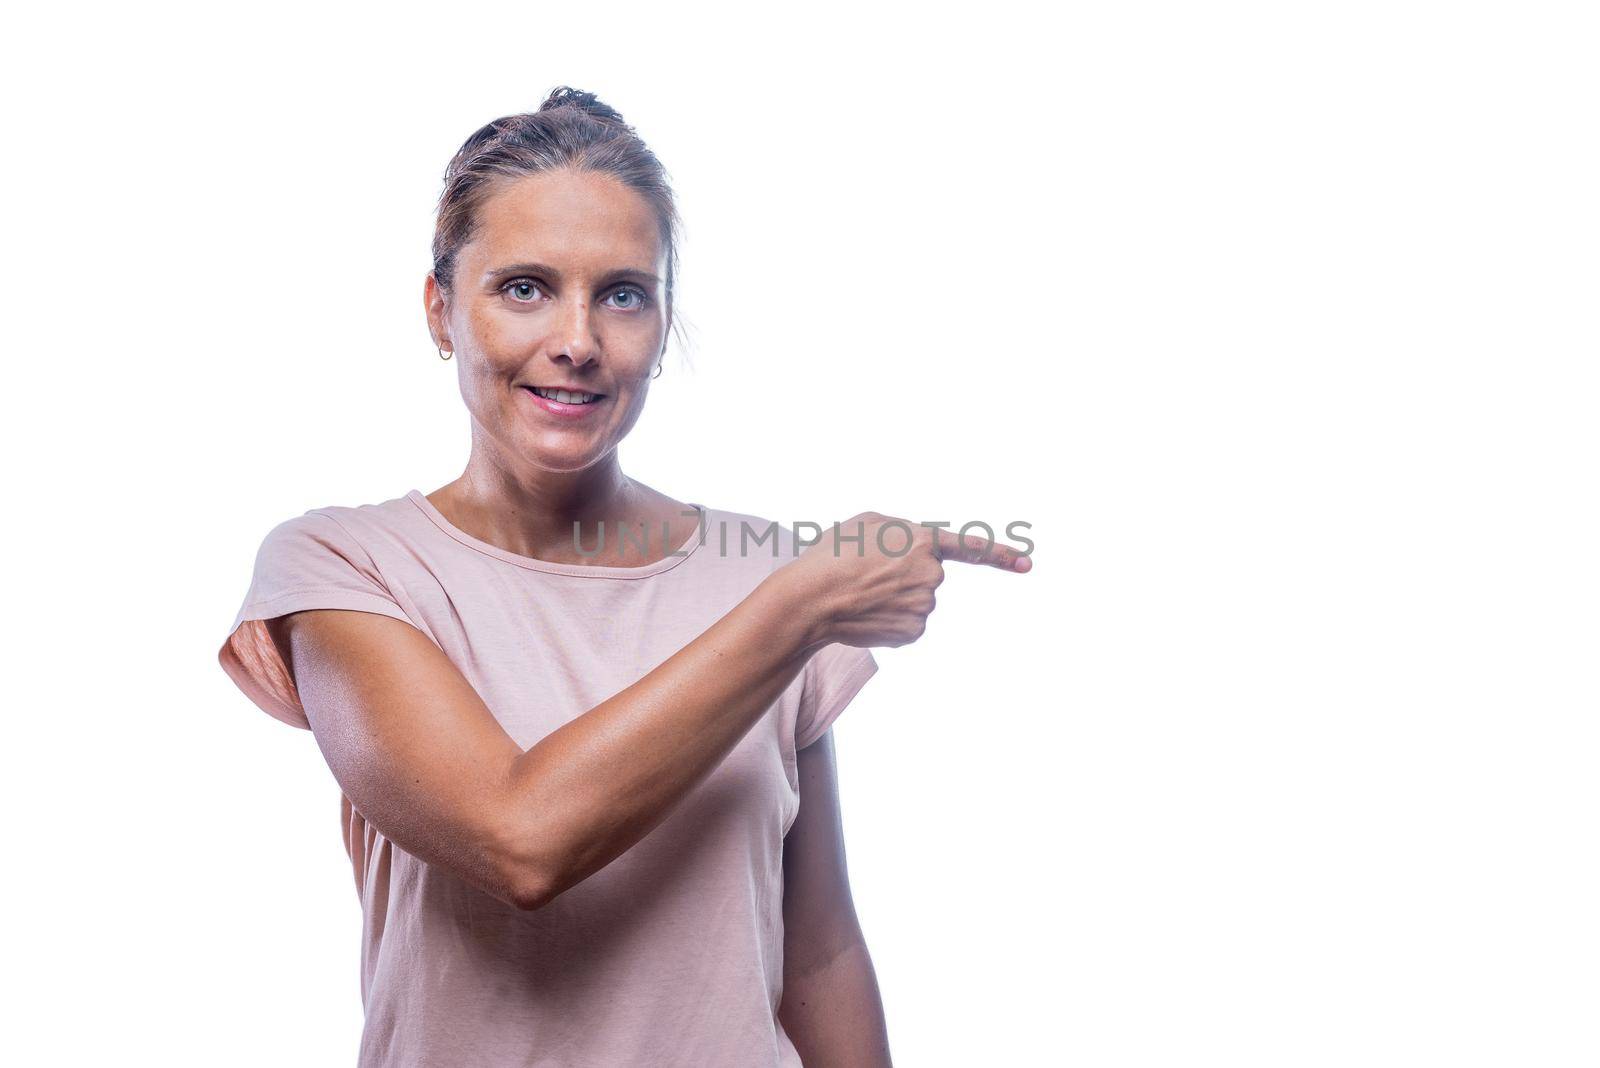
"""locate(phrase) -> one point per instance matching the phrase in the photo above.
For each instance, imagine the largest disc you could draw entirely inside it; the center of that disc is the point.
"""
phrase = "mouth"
(566, 396)
(564, 403)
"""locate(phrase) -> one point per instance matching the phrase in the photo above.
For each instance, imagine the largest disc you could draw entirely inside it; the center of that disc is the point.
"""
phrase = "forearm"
(590, 790)
(834, 1014)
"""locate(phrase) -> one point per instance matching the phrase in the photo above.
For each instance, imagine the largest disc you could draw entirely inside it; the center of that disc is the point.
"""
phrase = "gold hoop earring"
(442, 356)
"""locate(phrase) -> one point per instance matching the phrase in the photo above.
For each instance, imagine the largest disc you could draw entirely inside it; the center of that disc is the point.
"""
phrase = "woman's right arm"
(423, 759)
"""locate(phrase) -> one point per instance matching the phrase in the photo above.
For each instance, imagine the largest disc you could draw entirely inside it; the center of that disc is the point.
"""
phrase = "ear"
(437, 308)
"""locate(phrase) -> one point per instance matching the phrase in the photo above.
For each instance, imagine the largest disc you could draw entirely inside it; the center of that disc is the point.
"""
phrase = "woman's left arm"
(831, 1009)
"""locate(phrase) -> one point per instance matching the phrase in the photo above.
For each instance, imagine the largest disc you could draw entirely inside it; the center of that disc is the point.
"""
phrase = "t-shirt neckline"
(666, 563)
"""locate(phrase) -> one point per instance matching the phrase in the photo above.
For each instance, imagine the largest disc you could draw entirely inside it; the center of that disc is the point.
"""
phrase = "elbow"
(523, 876)
(535, 886)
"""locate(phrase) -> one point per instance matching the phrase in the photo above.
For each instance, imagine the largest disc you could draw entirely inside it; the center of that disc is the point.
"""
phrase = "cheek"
(506, 338)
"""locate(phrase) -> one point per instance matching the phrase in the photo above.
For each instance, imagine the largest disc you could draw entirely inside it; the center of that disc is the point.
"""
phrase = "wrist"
(806, 611)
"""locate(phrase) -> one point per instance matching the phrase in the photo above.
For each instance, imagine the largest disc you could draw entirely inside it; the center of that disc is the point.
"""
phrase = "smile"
(567, 396)
(565, 403)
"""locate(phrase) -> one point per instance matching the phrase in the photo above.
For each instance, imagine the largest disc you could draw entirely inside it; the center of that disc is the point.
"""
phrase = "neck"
(532, 512)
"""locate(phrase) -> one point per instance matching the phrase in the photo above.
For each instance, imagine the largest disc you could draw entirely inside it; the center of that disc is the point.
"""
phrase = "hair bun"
(564, 96)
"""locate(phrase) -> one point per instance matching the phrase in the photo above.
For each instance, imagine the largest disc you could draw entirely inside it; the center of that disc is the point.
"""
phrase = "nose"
(575, 332)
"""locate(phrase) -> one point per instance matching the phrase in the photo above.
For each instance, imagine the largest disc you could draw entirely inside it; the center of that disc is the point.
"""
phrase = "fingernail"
(1024, 563)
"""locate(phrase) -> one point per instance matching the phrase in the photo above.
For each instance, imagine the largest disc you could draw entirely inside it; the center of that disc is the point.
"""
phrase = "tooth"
(565, 396)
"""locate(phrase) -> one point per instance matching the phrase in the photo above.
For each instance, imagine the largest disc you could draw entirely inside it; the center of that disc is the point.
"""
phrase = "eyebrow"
(550, 272)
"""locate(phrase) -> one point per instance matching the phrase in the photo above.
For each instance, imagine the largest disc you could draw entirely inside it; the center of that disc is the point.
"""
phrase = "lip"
(564, 411)
(569, 389)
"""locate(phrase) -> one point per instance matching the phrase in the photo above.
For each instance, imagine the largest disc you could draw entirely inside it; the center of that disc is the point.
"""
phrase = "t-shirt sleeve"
(832, 678)
(310, 561)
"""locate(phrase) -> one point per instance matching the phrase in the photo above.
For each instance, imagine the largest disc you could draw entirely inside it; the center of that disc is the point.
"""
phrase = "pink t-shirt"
(670, 955)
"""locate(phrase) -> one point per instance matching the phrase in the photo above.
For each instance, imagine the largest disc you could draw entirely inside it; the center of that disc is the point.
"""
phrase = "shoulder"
(367, 518)
(352, 532)
(364, 524)
(317, 559)
(765, 544)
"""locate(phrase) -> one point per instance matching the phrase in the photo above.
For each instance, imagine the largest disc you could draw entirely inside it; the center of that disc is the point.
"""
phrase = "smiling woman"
(589, 795)
(578, 258)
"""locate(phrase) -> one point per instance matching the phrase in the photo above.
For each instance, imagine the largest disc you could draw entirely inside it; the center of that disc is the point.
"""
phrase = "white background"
(1277, 322)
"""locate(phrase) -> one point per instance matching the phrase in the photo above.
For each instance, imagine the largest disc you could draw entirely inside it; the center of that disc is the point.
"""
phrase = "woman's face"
(561, 287)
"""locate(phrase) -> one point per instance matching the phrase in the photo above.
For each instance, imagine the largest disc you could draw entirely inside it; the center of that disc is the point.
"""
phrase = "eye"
(520, 288)
(636, 298)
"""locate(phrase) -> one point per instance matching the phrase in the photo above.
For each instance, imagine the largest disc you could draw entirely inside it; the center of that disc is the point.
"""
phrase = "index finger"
(973, 549)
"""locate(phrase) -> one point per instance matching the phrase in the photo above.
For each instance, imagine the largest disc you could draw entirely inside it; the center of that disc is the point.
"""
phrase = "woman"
(588, 782)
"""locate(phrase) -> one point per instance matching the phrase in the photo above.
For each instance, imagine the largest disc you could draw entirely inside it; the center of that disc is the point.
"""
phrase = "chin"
(559, 459)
